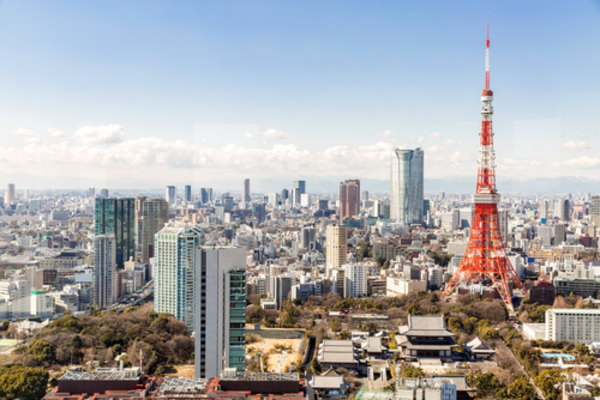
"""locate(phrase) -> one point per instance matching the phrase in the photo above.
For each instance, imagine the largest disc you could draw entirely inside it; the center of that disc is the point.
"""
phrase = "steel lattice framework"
(485, 258)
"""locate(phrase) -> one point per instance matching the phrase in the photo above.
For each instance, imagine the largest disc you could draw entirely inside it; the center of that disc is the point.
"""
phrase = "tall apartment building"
(573, 325)
(280, 287)
(407, 186)
(337, 245)
(117, 216)
(10, 197)
(171, 195)
(355, 276)
(544, 210)
(220, 310)
(349, 198)
(104, 288)
(176, 252)
(151, 215)
(187, 193)
(562, 210)
(595, 210)
(246, 192)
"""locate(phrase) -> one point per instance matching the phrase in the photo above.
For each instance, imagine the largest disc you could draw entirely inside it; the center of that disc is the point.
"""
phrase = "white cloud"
(581, 162)
(55, 133)
(274, 134)
(575, 145)
(22, 132)
(435, 134)
(386, 134)
(420, 139)
(451, 142)
(107, 134)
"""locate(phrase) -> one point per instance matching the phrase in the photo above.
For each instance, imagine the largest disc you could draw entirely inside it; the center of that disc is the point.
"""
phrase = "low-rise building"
(574, 325)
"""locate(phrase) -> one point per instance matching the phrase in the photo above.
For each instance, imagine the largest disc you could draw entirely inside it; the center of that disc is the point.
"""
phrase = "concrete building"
(595, 210)
(355, 276)
(246, 192)
(573, 325)
(397, 286)
(407, 186)
(151, 216)
(220, 310)
(349, 199)
(174, 269)
(337, 245)
(187, 193)
(10, 197)
(105, 288)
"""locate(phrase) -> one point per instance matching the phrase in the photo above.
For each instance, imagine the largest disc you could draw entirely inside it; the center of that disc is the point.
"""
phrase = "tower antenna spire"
(487, 59)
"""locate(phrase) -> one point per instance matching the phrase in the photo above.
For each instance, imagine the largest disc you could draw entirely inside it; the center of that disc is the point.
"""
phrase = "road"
(508, 351)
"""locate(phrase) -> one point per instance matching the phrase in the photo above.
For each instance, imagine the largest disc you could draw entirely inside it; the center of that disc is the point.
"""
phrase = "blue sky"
(145, 93)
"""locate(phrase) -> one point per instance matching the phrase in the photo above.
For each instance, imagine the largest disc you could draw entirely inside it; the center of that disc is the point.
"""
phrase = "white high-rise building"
(355, 276)
(171, 195)
(573, 325)
(175, 252)
(407, 186)
(9, 198)
(105, 288)
(220, 310)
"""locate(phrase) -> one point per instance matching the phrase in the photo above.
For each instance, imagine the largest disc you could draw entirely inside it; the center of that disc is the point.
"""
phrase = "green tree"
(410, 371)
(521, 389)
(20, 382)
(548, 381)
(487, 384)
(42, 353)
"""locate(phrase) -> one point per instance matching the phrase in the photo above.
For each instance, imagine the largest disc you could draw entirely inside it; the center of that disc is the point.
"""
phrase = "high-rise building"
(259, 212)
(171, 195)
(9, 198)
(220, 311)
(355, 276)
(104, 193)
(543, 214)
(280, 287)
(104, 288)
(246, 192)
(298, 189)
(187, 193)
(117, 216)
(349, 198)
(562, 210)
(407, 186)
(175, 260)
(595, 210)
(151, 215)
(337, 245)
(206, 195)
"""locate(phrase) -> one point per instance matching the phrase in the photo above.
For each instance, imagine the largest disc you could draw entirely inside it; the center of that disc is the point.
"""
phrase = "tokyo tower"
(485, 259)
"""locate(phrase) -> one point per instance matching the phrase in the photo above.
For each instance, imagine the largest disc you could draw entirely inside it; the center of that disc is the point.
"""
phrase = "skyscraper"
(117, 216)
(104, 193)
(187, 193)
(407, 186)
(206, 195)
(171, 195)
(151, 216)
(595, 210)
(104, 288)
(9, 198)
(349, 198)
(298, 189)
(176, 252)
(246, 192)
(562, 210)
(337, 245)
(355, 280)
(220, 326)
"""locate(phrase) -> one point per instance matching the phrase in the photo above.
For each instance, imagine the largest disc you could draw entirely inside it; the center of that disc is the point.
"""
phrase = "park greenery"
(97, 339)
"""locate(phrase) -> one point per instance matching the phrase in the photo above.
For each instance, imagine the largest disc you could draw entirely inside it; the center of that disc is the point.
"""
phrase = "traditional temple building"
(426, 336)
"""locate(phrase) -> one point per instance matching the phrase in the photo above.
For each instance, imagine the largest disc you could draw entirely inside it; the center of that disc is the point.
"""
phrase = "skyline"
(92, 94)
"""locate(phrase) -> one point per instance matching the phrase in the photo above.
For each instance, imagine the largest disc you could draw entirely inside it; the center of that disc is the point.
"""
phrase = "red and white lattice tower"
(485, 259)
